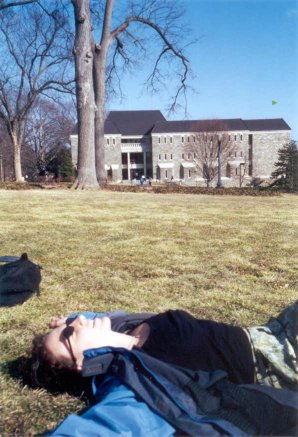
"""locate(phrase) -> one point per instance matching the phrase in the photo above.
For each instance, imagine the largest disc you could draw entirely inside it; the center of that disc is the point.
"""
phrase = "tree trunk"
(15, 131)
(85, 96)
(17, 158)
(99, 82)
(100, 59)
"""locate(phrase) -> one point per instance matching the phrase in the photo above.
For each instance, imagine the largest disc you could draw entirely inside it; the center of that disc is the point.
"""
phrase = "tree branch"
(169, 47)
(106, 36)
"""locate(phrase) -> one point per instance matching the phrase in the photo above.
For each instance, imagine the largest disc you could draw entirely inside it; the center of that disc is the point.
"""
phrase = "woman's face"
(66, 344)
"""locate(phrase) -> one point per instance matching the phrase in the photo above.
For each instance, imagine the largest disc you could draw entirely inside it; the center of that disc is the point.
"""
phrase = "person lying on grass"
(265, 354)
(172, 374)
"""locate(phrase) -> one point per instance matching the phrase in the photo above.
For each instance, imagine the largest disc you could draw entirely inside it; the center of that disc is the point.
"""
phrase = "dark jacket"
(196, 402)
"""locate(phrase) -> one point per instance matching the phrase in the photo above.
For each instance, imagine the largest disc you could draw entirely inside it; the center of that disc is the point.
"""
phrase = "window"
(159, 157)
(159, 140)
(229, 154)
(182, 139)
(165, 139)
(133, 140)
(182, 156)
(165, 156)
(194, 155)
(114, 141)
(171, 139)
(189, 173)
(188, 139)
(235, 137)
(136, 158)
(194, 139)
(236, 171)
(108, 141)
(241, 154)
(171, 156)
(124, 159)
(189, 156)
(229, 137)
(235, 153)
(166, 173)
(241, 137)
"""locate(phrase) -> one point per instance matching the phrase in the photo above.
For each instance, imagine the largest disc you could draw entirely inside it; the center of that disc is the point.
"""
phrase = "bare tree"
(123, 25)
(126, 32)
(35, 59)
(48, 128)
(211, 145)
(243, 168)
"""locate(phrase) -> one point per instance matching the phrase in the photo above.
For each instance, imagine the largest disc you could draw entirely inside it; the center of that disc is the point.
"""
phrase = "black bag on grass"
(19, 279)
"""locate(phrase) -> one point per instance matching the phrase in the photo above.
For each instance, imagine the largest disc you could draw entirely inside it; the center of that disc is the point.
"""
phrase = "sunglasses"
(66, 334)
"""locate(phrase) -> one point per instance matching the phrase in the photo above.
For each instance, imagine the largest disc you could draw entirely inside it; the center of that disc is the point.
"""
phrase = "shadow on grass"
(52, 380)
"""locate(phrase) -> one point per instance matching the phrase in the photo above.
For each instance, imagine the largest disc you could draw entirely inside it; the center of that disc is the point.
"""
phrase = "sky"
(245, 57)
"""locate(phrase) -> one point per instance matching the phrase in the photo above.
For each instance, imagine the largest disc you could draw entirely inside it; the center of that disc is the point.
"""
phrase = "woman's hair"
(54, 376)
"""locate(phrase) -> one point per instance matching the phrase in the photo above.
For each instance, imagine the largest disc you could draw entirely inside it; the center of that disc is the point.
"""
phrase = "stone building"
(145, 143)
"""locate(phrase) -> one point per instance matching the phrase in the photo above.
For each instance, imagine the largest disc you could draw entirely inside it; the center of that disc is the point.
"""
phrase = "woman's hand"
(57, 321)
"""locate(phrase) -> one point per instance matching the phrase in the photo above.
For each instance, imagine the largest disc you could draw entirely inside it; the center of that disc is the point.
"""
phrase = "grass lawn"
(231, 259)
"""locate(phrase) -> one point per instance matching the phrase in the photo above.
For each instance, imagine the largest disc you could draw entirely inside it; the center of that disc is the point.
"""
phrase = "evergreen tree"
(66, 169)
(286, 166)
(61, 165)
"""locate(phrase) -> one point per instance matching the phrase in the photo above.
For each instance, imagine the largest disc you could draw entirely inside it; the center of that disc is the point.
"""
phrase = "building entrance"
(135, 174)
(136, 164)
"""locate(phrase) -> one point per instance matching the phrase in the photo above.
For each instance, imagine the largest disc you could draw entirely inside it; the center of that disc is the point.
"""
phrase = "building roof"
(132, 122)
(267, 124)
(199, 125)
(129, 122)
(234, 124)
(145, 122)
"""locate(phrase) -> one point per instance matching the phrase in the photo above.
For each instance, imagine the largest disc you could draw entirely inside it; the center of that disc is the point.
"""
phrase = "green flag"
(274, 102)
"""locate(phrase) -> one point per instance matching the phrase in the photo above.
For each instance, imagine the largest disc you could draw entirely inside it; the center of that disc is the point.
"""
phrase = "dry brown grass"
(232, 259)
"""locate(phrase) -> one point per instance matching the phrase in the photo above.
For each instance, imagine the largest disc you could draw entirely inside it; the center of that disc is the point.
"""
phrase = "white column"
(128, 165)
